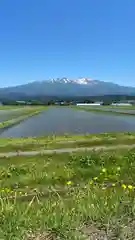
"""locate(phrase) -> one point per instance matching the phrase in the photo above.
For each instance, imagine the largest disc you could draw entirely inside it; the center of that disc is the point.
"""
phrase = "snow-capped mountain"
(67, 87)
(75, 81)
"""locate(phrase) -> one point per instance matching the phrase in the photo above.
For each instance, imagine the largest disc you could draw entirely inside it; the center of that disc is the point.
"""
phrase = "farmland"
(10, 117)
(68, 196)
(115, 110)
(67, 174)
(65, 141)
(10, 113)
(67, 120)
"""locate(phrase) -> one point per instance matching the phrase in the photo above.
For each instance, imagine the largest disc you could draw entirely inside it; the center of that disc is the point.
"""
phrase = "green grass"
(66, 137)
(9, 107)
(67, 141)
(82, 193)
(117, 107)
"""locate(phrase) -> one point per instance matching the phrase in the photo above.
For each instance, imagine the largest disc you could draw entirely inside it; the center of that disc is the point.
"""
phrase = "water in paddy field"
(6, 115)
(61, 120)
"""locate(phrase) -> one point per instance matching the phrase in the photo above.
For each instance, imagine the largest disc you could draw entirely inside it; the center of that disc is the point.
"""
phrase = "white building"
(121, 104)
(89, 104)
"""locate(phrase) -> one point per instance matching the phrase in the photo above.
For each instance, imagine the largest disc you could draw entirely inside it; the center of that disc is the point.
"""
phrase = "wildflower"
(130, 187)
(69, 183)
(118, 168)
(113, 184)
(104, 170)
(95, 178)
(91, 182)
(124, 186)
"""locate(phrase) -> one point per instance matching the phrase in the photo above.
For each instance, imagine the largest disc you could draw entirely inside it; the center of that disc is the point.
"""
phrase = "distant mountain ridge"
(67, 87)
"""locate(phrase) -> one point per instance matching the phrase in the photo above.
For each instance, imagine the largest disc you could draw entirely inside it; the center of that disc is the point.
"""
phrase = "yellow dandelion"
(69, 183)
(95, 178)
(130, 187)
(113, 184)
(124, 186)
(118, 168)
(104, 170)
(91, 182)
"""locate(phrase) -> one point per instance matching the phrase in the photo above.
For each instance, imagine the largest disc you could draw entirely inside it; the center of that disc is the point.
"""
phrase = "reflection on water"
(61, 120)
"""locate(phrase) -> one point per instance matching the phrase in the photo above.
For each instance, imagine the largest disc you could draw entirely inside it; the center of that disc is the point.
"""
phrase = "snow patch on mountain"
(82, 81)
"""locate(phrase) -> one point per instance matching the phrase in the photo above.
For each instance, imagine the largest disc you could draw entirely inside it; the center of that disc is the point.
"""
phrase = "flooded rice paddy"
(62, 120)
(113, 109)
(6, 115)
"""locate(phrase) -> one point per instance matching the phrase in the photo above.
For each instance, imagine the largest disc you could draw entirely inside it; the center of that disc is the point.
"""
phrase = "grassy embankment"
(67, 141)
(117, 107)
(10, 107)
(102, 110)
(68, 196)
(25, 113)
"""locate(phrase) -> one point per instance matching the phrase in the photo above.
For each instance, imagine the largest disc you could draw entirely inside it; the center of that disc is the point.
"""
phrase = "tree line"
(67, 100)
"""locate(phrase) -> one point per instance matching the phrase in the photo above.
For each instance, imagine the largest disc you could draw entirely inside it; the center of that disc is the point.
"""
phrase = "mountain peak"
(64, 86)
(81, 80)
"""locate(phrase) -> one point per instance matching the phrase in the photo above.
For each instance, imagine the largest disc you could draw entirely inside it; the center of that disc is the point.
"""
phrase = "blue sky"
(41, 39)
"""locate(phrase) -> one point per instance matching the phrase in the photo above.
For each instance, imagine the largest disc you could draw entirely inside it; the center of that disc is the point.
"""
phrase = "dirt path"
(65, 150)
